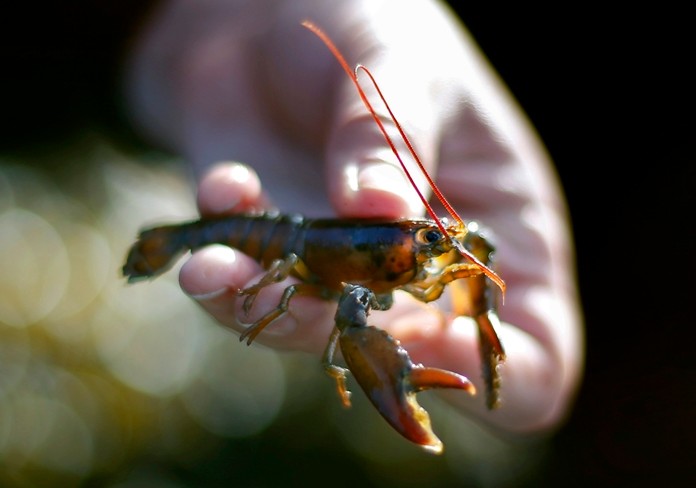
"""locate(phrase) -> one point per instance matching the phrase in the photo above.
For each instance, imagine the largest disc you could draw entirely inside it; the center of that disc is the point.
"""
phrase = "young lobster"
(359, 263)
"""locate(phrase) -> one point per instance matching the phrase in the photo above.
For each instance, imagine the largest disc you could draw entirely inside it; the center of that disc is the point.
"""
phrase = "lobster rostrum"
(359, 263)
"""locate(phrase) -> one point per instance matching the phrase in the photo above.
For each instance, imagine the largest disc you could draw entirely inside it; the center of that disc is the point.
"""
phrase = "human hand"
(225, 80)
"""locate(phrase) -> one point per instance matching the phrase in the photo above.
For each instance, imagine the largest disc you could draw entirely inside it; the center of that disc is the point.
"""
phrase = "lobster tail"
(155, 251)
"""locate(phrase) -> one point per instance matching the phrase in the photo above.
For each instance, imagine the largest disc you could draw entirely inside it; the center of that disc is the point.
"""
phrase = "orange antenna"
(414, 154)
(352, 74)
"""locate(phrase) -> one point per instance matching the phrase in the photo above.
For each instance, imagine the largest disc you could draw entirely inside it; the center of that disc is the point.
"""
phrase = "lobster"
(359, 263)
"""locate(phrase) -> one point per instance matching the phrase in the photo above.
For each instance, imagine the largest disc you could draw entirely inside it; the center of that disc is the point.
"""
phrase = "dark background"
(609, 94)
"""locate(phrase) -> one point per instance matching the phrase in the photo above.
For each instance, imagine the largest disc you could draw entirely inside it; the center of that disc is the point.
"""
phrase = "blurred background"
(107, 385)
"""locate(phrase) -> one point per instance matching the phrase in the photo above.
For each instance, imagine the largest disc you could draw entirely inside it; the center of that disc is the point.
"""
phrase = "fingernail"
(382, 176)
(223, 175)
(202, 297)
(389, 178)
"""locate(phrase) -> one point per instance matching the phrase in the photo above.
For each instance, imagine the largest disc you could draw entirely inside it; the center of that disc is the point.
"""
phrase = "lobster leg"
(475, 297)
(480, 303)
(277, 272)
(492, 355)
(336, 372)
(431, 290)
(255, 329)
(299, 289)
(384, 370)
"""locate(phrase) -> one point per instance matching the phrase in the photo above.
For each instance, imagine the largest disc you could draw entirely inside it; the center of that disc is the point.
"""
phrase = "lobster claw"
(384, 370)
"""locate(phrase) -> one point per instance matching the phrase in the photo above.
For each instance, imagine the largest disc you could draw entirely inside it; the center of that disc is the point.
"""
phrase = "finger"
(365, 179)
(228, 188)
(214, 275)
(365, 162)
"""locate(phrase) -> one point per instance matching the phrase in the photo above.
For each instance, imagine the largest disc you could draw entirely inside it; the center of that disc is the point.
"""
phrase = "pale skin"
(222, 81)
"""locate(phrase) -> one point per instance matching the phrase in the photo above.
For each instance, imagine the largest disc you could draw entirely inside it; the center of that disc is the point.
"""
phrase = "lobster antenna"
(414, 154)
(486, 270)
(352, 74)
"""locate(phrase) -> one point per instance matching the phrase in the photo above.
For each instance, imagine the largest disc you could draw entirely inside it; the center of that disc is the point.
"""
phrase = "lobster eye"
(429, 236)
